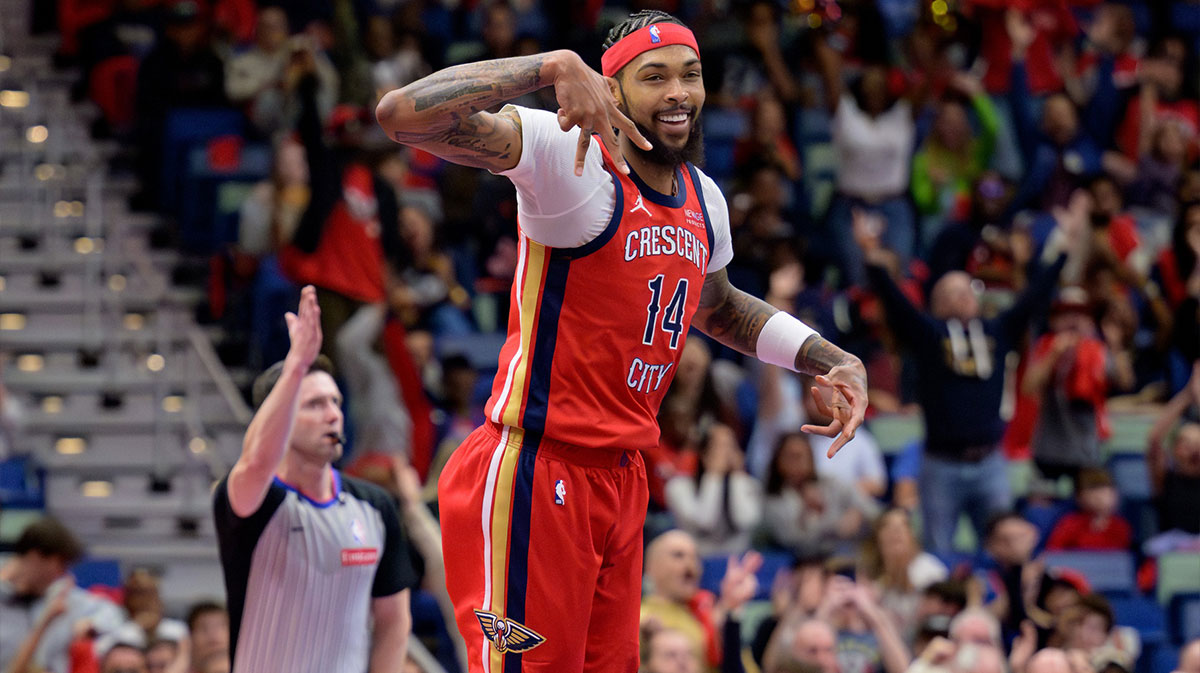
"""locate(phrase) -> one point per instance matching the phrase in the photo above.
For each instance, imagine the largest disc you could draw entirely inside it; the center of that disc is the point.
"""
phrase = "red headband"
(640, 41)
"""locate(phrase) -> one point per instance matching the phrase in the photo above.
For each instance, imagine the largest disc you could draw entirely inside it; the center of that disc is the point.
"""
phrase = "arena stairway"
(128, 411)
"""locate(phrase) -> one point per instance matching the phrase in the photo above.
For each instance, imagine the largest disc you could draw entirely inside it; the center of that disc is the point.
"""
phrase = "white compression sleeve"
(780, 340)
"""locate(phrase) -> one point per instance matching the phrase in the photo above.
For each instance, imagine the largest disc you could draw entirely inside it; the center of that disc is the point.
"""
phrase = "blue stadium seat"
(1185, 617)
(1143, 614)
(1185, 17)
(482, 350)
(1131, 475)
(187, 128)
(433, 630)
(21, 484)
(713, 569)
(273, 295)
(773, 562)
(200, 191)
(1045, 516)
(725, 124)
(97, 571)
(1163, 659)
(812, 125)
(1108, 572)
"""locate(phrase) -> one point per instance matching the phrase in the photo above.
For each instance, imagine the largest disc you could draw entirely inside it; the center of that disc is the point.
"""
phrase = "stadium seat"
(1178, 573)
(187, 128)
(754, 613)
(481, 350)
(812, 125)
(713, 569)
(1143, 614)
(1044, 516)
(200, 205)
(1129, 433)
(1185, 617)
(722, 128)
(1163, 659)
(97, 571)
(273, 294)
(429, 626)
(1131, 475)
(894, 432)
(1108, 572)
(773, 562)
(21, 484)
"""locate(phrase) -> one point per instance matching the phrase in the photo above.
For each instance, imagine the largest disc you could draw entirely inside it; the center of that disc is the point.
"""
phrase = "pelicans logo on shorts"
(507, 635)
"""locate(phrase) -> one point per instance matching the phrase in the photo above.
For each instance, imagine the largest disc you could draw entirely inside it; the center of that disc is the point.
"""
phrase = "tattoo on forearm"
(818, 356)
(463, 90)
(447, 115)
(731, 316)
(439, 96)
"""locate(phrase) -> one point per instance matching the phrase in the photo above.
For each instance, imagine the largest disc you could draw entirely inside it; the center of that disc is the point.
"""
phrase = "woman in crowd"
(804, 512)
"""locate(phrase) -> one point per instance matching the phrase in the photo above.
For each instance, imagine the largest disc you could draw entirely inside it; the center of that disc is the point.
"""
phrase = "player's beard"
(665, 155)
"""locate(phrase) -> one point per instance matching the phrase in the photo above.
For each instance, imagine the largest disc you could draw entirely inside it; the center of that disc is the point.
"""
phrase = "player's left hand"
(847, 406)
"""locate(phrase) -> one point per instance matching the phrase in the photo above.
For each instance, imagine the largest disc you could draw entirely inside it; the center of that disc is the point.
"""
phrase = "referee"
(316, 569)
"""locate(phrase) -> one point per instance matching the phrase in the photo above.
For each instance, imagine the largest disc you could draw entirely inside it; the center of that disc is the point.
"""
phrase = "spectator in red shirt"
(1096, 525)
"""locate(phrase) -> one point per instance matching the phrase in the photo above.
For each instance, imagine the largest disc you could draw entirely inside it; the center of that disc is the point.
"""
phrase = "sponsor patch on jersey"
(364, 556)
(507, 635)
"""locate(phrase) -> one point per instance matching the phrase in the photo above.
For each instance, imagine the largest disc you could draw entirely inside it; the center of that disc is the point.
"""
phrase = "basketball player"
(316, 567)
(622, 247)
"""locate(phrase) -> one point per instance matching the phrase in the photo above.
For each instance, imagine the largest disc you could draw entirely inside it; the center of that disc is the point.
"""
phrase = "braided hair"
(635, 22)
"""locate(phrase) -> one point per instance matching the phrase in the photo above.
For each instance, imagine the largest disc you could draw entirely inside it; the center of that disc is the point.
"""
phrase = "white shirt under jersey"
(561, 210)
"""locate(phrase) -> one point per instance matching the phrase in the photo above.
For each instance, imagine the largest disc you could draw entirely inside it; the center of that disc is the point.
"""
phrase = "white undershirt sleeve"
(718, 218)
(557, 208)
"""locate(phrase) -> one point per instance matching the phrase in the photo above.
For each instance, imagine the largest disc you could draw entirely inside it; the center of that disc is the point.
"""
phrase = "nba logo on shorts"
(560, 492)
(655, 38)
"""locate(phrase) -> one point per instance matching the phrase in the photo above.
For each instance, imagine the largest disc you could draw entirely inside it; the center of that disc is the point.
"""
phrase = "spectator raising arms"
(959, 357)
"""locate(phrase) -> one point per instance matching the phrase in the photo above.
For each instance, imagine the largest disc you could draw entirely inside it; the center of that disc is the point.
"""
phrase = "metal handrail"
(220, 376)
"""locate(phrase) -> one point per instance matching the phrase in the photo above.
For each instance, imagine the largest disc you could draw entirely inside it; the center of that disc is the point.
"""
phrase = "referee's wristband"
(780, 340)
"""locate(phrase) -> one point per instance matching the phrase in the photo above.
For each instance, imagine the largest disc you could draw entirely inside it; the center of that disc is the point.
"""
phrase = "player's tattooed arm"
(447, 114)
(818, 356)
(735, 319)
(729, 315)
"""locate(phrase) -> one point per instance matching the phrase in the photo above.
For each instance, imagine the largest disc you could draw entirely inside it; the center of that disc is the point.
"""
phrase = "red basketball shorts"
(543, 546)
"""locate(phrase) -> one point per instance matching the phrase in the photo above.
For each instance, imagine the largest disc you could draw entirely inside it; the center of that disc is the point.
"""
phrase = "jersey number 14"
(672, 314)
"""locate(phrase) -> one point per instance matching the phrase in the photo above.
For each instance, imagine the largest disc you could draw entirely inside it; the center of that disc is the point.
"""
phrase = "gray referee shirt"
(300, 575)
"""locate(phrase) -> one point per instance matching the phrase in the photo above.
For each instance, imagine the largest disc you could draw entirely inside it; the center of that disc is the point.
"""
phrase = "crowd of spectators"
(994, 203)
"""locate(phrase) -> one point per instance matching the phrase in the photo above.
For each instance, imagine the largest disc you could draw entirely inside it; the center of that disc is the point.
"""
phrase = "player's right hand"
(304, 329)
(585, 99)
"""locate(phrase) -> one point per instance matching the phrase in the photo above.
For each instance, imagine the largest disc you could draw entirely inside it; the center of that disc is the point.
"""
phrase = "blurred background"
(173, 171)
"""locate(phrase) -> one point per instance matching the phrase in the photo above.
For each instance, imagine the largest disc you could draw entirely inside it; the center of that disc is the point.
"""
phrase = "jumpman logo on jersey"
(640, 205)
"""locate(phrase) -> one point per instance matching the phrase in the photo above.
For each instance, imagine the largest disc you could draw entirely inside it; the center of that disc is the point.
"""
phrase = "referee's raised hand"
(304, 330)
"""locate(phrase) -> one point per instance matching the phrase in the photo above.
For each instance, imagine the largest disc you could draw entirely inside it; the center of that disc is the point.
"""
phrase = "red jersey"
(349, 258)
(1076, 531)
(595, 332)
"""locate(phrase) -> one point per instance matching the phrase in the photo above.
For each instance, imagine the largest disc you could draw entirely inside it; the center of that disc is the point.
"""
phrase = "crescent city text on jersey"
(670, 240)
